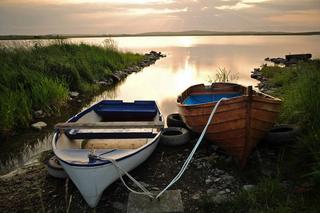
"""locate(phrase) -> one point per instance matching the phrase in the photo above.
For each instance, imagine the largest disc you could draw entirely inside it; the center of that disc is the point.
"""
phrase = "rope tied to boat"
(120, 170)
(180, 173)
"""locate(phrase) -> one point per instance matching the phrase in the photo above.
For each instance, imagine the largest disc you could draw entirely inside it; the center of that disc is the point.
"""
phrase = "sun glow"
(186, 76)
(185, 41)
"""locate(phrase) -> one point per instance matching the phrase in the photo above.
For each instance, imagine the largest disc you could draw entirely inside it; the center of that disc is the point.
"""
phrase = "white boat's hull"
(92, 181)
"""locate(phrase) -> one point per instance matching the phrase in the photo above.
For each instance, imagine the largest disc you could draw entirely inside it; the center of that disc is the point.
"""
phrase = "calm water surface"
(190, 60)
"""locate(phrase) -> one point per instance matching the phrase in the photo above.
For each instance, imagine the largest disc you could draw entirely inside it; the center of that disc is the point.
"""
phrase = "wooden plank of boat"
(113, 144)
(109, 125)
(239, 123)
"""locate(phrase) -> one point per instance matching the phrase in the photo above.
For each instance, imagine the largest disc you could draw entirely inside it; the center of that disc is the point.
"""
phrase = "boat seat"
(109, 135)
(102, 143)
(113, 144)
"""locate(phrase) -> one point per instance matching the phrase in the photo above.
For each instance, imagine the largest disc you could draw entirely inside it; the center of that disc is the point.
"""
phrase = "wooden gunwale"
(211, 104)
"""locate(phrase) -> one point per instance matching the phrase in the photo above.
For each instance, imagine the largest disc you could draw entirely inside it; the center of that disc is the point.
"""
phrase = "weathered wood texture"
(238, 124)
(113, 144)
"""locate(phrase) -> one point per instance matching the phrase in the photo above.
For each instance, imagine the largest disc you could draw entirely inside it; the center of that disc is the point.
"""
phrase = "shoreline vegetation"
(44, 77)
(182, 33)
(295, 186)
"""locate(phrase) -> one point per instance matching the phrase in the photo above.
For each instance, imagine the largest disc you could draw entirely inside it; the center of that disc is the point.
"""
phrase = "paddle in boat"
(242, 119)
(88, 144)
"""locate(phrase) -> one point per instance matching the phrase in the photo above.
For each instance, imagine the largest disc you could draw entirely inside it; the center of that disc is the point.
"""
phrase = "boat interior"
(201, 94)
(111, 125)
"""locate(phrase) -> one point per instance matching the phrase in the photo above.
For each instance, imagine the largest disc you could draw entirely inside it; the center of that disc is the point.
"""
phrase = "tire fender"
(174, 136)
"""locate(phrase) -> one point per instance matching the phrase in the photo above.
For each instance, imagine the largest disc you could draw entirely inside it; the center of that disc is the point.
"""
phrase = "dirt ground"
(211, 172)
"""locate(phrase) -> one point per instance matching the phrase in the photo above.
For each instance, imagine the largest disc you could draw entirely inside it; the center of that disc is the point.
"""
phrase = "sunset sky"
(133, 16)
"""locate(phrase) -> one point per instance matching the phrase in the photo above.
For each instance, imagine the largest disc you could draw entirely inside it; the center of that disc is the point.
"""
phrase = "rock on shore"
(118, 75)
(263, 85)
(39, 125)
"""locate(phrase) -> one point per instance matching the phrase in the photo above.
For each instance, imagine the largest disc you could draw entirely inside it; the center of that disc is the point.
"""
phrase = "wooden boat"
(239, 122)
(125, 132)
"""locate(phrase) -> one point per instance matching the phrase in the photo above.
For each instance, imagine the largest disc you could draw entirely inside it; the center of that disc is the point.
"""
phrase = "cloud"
(204, 8)
(115, 2)
(310, 17)
(237, 6)
(253, 1)
(145, 11)
(128, 16)
(243, 4)
(128, 2)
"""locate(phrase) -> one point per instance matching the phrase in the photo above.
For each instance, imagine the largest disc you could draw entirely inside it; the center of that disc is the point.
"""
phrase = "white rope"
(119, 170)
(182, 170)
(186, 163)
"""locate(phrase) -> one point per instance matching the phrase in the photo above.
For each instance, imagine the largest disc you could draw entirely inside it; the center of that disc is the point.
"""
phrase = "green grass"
(40, 76)
(269, 195)
(300, 90)
(223, 75)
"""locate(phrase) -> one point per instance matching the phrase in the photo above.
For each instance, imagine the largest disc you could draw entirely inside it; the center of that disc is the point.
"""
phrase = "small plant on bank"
(109, 43)
(223, 75)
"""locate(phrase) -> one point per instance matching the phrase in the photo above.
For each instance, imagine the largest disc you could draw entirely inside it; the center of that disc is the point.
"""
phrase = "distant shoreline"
(185, 33)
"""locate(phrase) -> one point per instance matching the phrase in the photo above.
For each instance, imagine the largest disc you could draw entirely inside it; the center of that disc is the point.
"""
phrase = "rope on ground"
(186, 163)
(182, 170)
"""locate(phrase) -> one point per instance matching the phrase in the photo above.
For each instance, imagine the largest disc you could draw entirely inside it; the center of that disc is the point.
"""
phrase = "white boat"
(125, 132)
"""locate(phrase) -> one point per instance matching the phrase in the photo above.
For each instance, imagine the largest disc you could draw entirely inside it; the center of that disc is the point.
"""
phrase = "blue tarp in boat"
(126, 111)
(207, 98)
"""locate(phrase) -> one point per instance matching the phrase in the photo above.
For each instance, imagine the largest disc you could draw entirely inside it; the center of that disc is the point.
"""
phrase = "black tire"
(175, 120)
(174, 136)
(55, 169)
(282, 134)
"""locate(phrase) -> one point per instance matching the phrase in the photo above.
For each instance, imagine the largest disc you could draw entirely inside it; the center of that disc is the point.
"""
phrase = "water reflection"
(12, 160)
(190, 60)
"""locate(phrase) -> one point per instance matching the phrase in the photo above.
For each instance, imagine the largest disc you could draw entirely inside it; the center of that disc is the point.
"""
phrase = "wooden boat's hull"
(238, 124)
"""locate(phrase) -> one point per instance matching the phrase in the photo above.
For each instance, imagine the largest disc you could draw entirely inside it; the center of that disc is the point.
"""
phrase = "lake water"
(190, 60)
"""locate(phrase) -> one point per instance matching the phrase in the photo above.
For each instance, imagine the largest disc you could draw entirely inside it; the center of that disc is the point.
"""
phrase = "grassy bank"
(41, 76)
(299, 87)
